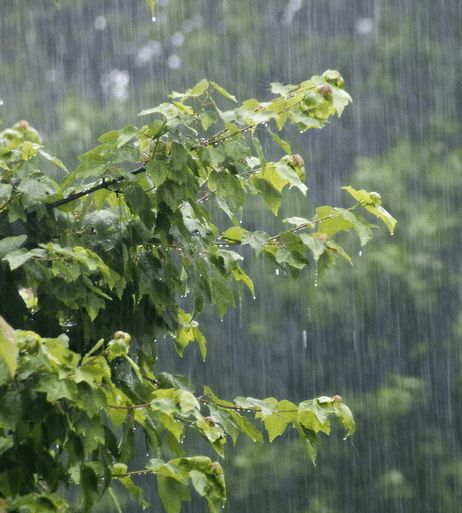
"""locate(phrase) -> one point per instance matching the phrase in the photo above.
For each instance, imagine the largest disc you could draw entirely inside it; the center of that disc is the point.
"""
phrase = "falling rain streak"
(384, 333)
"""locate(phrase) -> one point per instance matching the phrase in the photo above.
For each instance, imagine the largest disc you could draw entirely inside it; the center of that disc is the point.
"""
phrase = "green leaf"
(312, 242)
(309, 419)
(276, 423)
(340, 100)
(371, 201)
(299, 222)
(207, 119)
(308, 442)
(266, 407)
(54, 160)
(5, 190)
(283, 144)
(197, 90)
(256, 240)
(171, 193)
(16, 258)
(222, 296)
(119, 138)
(239, 275)
(187, 402)
(139, 203)
(271, 196)
(223, 92)
(345, 416)
(88, 486)
(10, 244)
(56, 388)
(226, 420)
(171, 491)
(287, 173)
(234, 234)
(35, 191)
(168, 110)
(135, 490)
(178, 156)
(282, 90)
(8, 347)
(229, 188)
(157, 171)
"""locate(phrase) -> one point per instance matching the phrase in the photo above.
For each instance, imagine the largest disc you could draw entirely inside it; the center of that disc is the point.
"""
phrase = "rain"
(385, 333)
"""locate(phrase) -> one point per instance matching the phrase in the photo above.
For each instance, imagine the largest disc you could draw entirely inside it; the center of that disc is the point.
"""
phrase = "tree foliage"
(96, 270)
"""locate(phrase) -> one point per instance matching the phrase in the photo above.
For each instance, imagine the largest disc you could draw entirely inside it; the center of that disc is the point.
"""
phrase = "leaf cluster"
(69, 420)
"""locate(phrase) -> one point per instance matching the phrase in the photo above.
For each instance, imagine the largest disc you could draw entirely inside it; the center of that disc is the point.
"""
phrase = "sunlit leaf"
(8, 347)
(371, 201)
(223, 92)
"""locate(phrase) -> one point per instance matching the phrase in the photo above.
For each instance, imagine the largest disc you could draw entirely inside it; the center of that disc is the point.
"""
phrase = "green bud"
(116, 348)
(297, 163)
(311, 100)
(121, 335)
(376, 199)
(333, 77)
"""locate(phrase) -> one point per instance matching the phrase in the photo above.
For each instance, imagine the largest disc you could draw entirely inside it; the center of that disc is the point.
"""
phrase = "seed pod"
(298, 161)
(326, 91)
(216, 467)
(210, 421)
(121, 335)
(376, 198)
(333, 77)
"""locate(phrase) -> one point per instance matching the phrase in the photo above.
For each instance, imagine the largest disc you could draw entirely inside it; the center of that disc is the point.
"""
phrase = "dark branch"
(103, 185)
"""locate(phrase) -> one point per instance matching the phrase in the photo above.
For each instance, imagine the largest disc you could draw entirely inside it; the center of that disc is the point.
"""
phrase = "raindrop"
(177, 39)
(153, 19)
(148, 52)
(360, 253)
(198, 21)
(188, 26)
(115, 84)
(100, 23)
(51, 76)
(277, 272)
(174, 62)
(365, 25)
(304, 337)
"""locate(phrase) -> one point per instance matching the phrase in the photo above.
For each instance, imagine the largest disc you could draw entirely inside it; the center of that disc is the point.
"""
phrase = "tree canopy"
(124, 254)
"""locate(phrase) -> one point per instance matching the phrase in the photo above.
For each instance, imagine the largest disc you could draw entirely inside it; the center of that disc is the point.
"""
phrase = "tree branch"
(103, 185)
